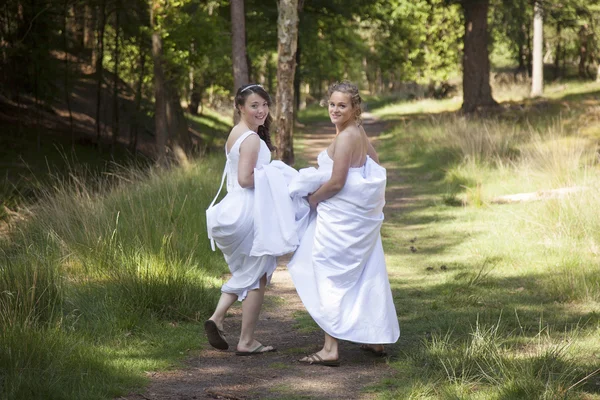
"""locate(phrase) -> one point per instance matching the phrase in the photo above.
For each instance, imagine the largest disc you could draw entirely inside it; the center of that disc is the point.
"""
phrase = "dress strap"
(239, 141)
(212, 241)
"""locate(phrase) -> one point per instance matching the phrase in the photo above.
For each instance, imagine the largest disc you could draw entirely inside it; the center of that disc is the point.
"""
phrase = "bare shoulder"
(353, 131)
(349, 135)
(236, 133)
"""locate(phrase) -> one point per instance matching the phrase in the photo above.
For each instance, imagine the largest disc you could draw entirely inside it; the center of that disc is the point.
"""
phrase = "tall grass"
(476, 260)
(538, 368)
(96, 263)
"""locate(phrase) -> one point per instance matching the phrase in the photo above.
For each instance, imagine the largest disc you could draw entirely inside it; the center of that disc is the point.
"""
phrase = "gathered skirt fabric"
(231, 225)
(253, 226)
(339, 267)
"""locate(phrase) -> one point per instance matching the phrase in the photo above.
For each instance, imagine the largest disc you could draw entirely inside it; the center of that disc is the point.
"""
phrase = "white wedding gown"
(339, 267)
(230, 224)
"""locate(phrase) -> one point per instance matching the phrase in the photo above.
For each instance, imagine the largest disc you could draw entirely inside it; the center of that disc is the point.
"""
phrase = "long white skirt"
(231, 224)
(339, 268)
(253, 226)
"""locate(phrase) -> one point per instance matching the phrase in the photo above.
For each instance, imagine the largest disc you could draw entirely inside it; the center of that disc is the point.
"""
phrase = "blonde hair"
(350, 89)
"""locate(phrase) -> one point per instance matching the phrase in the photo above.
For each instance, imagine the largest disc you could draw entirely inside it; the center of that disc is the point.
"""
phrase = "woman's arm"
(372, 153)
(342, 160)
(370, 150)
(249, 149)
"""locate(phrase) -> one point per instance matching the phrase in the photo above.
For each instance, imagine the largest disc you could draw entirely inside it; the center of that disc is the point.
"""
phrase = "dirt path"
(222, 375)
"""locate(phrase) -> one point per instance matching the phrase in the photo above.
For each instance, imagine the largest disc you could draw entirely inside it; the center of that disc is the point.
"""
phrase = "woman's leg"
(225, 302)
(250, 311)
(329, 352)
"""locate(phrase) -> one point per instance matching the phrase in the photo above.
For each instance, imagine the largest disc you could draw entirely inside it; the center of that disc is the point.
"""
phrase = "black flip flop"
(215, 335)
(256, 351)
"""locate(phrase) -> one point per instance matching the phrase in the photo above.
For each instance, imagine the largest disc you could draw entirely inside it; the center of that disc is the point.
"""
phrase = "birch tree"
(287, 44)
(537, 74)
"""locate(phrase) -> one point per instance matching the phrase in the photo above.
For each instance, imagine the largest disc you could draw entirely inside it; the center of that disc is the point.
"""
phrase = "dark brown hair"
(350, 89)
(240, 99)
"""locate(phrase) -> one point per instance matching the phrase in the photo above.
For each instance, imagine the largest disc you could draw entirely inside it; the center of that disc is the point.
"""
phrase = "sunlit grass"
(427, 106)
(495, 301)
(106, 280)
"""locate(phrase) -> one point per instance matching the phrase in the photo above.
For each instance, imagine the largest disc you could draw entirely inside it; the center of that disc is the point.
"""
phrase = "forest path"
(223, 375)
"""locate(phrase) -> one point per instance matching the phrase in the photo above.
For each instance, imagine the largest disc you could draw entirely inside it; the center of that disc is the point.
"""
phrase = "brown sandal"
(315, 359)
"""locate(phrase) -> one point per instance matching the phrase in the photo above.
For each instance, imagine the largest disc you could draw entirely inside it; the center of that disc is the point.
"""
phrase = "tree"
(537, 74)
(238, 44)
(160, 97)
(171, 126)
(511, 25)
(287, 32)
(100, 67)
(477, 91)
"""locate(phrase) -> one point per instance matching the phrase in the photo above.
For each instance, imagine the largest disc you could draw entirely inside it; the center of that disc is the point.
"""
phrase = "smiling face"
(341, 110)
(254, 111)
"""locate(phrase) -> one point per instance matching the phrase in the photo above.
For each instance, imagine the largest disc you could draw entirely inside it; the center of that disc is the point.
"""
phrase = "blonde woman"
(339, 267)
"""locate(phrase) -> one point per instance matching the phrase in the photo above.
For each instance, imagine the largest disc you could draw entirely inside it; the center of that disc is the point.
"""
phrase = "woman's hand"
(313, 204)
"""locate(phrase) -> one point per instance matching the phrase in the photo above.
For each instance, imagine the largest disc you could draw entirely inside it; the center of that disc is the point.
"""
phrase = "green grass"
(498, 301)
(304, 323)
(105, 281)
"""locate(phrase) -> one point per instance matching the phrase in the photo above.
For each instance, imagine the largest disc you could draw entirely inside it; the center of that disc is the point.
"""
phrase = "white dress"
(231, 225)
(339, 267)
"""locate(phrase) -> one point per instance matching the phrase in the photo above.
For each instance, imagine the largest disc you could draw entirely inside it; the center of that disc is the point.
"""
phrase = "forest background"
(113, 115)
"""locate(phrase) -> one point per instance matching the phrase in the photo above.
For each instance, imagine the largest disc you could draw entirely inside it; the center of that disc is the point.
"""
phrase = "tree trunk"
(100, 68)
(476, 64)
(137, 120)
(67, 72)
(89, 31)
(179, 136)
(270, 74)
(194, 90)
(297, 81)
(79, 10)
(168, 114)
(583, 50)
(287, 32)
(537, 72)
(160, 95)
(238, 42)
(195, 95)
(116, 55)
(558, 51)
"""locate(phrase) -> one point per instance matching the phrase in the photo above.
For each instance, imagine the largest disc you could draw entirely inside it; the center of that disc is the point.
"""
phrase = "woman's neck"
(249, 126)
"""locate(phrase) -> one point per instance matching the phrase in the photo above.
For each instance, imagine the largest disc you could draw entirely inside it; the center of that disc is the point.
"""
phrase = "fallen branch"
(539, 195)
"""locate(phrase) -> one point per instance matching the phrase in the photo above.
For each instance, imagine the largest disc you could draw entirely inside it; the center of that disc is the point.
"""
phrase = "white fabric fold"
(274, 214)
(339, 267)
(230, 223)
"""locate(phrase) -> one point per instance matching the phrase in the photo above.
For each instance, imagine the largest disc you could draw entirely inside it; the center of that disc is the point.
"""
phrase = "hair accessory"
(250, 86)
